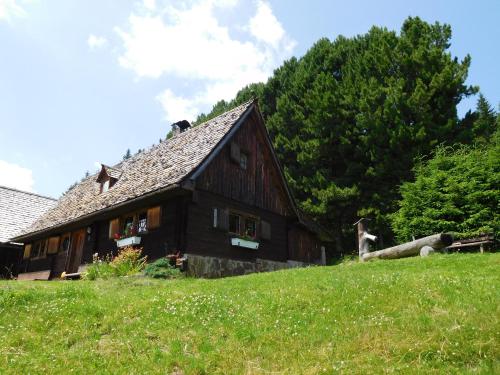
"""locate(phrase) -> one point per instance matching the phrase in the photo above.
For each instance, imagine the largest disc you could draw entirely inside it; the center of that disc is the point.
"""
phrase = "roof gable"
(261, 182)
(160, 168)
(108, 172)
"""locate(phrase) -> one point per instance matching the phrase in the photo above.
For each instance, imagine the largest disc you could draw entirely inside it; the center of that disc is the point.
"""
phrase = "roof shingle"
(19, 209)
(164, 165)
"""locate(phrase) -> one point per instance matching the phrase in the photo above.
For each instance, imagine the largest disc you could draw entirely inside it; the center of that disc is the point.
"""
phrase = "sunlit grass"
(434, 315)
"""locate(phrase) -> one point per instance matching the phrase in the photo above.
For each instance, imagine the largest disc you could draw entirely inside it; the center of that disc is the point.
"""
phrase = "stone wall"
(213, 267)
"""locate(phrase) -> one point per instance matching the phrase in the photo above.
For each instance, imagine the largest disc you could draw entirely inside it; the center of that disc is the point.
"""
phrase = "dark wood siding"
(259, 184)
(203, 239)
(165, 239)
(304, 246)
(155, 243)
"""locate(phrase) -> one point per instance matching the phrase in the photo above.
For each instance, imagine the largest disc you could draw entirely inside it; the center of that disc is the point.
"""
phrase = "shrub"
(127, 262)
(162, 269)
(455, 191)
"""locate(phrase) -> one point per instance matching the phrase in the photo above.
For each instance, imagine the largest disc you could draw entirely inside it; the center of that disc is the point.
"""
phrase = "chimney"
(180, 127)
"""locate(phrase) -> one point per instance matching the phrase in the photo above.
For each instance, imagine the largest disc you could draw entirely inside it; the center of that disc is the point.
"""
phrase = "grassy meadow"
(434, 315)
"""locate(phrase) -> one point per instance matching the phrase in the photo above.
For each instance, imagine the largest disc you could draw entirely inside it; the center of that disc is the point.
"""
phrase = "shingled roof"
(163, 166)
(19, 209)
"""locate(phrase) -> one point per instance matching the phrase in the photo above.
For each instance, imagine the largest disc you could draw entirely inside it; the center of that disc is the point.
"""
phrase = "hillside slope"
(434, 315)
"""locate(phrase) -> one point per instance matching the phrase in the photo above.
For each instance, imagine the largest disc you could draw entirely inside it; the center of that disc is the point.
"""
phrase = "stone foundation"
(212, 267)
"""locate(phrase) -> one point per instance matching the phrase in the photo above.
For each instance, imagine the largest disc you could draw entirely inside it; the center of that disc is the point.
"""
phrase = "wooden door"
(76, 251)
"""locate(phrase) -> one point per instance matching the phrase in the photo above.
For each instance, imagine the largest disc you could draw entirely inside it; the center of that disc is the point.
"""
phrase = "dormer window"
(105, 186)
(107, 177)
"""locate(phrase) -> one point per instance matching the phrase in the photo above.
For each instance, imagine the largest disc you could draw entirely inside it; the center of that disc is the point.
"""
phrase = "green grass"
(434, 315)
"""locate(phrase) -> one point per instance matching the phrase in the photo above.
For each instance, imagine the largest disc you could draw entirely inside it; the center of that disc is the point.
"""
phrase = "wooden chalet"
(18, 210)
(214, 190)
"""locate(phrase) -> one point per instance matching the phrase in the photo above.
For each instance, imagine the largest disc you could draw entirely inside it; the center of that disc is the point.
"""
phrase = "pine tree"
(349, 118)
(486, 121)
(127, 154)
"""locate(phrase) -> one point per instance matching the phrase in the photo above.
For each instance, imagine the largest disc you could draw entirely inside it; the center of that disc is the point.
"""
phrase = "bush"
(162, 269)
(456, 191)
(127, 262)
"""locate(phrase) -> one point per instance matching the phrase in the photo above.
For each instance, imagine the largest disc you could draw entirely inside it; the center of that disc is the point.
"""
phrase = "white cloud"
(15, 176)
(189, 44)
(96, 42)
(265, 26)
(10, 9)
(149, 4)
(177, 108)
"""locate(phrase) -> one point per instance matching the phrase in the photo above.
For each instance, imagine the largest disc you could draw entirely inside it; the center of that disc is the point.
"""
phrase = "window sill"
(128, 241)
(248, 244)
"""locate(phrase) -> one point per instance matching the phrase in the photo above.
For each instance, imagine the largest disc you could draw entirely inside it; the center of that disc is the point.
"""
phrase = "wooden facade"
(237, 192)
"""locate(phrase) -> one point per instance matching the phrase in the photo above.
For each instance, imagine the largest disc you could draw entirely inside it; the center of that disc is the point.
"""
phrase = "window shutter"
(224, 219)
(154, 217)
(27, 251)
(265, 230)
(220, 219)
(235, 152)
(114, 227)
(53, 245)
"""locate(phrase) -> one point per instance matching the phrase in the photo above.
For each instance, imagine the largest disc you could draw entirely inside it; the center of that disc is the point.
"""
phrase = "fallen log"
(408, 249)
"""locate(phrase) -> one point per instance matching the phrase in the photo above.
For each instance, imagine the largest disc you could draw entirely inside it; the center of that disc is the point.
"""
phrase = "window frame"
(135, 222)
(41, 249)
(243, 217)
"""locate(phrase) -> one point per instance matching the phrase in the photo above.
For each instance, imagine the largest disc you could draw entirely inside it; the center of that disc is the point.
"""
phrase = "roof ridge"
(27, 192)
(158, 168)
(165, 142)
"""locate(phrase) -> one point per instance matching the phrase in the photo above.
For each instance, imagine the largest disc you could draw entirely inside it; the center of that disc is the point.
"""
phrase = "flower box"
(129, 241)
(249, 244)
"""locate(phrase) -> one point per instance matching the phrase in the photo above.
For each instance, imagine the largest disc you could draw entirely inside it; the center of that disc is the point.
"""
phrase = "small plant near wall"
(128, 232)
(127, 262)
(162, 269)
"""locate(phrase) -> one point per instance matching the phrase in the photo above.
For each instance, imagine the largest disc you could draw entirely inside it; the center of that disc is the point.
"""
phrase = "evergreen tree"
(349, 118)
(455, 191)
(485, 123)
(127, 154)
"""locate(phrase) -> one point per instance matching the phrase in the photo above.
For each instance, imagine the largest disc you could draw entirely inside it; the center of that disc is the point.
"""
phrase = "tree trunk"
(436, 241)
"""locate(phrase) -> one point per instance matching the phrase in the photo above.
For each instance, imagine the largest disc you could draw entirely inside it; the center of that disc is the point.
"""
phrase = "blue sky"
(82, 81)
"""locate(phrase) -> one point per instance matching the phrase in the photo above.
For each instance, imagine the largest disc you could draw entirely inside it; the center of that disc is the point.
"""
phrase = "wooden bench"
(484, 242)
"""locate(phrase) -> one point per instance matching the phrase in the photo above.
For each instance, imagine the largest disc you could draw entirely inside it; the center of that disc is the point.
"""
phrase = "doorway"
(76, 251)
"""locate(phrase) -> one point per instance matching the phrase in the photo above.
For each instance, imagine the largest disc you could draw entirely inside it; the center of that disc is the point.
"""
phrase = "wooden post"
(364, 237)
(323, 256)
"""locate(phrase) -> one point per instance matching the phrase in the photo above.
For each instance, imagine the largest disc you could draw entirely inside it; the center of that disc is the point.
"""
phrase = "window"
(142, 222)
(135, 223)
(243, 161)
(39, 249)
(243, 225)
(234, 223)
(65, 243)
(105, 186)
(36, 250)
(128, 226)
(250, 227)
